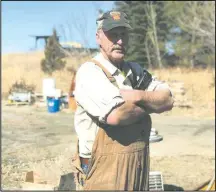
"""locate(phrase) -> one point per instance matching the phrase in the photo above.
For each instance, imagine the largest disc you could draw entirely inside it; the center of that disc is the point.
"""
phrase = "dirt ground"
(33, 139)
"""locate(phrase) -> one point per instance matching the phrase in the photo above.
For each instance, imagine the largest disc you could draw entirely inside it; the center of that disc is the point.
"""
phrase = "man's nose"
(120, 42)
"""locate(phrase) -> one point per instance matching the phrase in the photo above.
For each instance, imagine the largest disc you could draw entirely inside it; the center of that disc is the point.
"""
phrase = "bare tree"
(147, 53)
(77, 24)
(198, 18)
(152, 31)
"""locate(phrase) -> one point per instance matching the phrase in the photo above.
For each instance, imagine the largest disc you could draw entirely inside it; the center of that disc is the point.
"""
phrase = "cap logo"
(115, 15)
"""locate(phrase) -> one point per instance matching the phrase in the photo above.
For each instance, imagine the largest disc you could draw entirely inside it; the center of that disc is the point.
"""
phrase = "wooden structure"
(44, 37)
(71, 101)
(179, 94)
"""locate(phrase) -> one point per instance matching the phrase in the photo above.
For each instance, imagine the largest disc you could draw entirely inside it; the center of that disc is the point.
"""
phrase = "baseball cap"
(112, 19)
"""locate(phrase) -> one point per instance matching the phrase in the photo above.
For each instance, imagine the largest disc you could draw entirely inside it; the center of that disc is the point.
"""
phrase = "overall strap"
(134, 79)
(107, 73)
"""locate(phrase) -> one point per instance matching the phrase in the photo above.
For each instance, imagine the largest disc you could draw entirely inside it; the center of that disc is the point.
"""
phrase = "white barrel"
(49, 85)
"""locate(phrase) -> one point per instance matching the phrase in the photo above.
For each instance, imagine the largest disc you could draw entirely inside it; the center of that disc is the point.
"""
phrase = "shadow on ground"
(67, 182)
(169, 187)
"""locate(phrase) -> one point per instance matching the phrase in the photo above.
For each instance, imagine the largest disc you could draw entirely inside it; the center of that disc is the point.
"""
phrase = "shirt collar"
(107, 64)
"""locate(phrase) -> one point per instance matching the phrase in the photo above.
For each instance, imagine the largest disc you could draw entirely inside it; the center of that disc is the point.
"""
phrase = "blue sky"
(20, 19)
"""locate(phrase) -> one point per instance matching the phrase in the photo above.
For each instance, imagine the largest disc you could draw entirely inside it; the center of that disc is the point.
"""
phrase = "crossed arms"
(101, 99)
(138, 103)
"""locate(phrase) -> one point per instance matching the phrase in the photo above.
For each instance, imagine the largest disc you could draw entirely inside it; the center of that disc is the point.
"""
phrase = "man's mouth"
(119, 49)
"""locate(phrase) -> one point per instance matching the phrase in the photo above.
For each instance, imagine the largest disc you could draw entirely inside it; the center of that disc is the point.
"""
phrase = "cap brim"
(117, 25)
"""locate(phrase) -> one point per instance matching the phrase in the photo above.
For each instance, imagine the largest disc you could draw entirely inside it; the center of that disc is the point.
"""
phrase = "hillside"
(199, 84)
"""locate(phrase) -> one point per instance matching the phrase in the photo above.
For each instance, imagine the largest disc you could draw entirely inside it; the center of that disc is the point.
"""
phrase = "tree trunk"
(147, 53)
(192, 51)
(153, 17)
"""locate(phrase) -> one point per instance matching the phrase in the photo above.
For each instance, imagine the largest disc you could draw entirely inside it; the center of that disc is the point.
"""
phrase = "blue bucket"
(53, 105)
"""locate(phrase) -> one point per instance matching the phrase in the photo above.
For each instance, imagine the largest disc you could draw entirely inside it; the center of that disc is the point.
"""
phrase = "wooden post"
(72, 102)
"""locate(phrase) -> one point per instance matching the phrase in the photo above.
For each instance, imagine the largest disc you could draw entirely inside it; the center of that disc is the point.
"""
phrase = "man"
(112, 119)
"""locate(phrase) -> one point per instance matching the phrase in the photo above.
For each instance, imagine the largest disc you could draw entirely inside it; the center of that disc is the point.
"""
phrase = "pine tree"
(149, 35)
(53, 55)
(136, 46)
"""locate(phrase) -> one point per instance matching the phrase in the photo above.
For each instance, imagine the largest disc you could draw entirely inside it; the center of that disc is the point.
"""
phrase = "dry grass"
(200, 89)
(27, 66)
(199, 84)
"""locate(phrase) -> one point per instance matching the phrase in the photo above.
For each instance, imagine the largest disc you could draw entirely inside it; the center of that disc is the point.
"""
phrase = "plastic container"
(53, 105)
(49, 87)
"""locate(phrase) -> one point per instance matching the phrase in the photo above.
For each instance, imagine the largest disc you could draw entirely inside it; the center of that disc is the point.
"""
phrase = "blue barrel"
(53, 105)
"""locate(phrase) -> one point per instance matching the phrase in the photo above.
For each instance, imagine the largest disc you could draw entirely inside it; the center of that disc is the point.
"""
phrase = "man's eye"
(117, 35)
(114, 36)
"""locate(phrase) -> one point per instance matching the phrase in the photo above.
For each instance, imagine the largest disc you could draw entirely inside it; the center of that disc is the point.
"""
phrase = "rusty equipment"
(207, 186)
(71, 101)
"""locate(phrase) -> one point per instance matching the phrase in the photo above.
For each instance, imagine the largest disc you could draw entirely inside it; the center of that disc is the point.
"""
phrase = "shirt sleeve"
(158, 85)
(95, 93)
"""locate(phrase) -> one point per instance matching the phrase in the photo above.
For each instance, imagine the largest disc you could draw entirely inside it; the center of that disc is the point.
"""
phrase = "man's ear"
(98, 37)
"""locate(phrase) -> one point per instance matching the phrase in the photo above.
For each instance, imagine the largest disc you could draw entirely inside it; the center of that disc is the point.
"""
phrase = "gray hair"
(99, 21)
(99, 24)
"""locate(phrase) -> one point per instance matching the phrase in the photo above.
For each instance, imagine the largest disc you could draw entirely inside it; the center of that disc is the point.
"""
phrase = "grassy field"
(199, 84)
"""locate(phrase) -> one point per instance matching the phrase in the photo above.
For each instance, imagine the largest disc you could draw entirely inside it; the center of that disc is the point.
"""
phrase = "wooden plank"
(33, 177)
(183, 104)
(40, 104)
(17, 103)
(36, 186)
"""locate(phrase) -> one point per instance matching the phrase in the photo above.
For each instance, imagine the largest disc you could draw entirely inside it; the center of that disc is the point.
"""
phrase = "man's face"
(113, 43)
